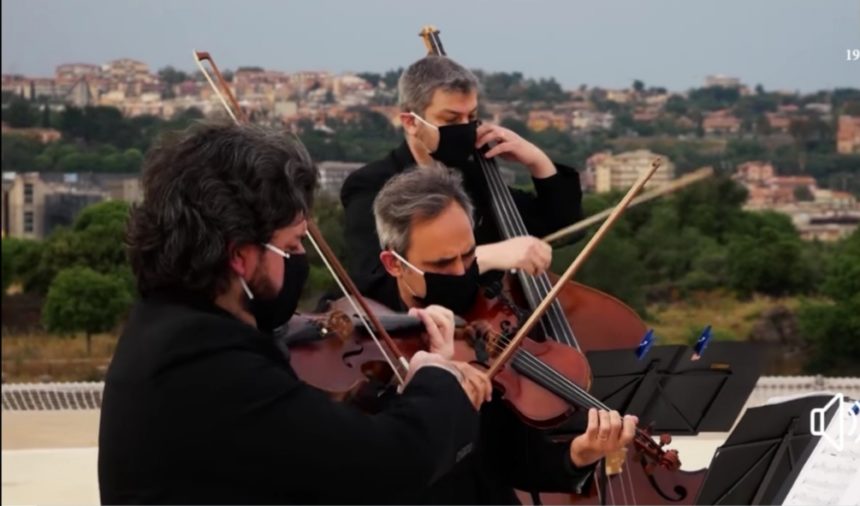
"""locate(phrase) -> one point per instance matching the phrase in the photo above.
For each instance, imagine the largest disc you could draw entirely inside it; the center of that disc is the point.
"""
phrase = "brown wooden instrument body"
(345, 358)
(633, 486)
(599, 320)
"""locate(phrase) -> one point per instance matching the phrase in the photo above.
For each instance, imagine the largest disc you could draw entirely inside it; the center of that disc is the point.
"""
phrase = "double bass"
(581, 317)
(601, 322)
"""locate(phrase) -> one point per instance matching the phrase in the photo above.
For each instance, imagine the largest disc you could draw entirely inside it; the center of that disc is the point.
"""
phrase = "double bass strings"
(536, 287)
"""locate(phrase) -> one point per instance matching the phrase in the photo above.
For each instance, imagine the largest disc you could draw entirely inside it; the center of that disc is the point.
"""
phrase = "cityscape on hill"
(795, 153)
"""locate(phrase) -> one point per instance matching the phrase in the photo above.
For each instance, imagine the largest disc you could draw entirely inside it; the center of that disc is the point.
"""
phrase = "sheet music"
(830, 476)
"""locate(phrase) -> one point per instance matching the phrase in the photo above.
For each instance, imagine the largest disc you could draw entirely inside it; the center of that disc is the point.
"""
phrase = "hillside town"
(36, 201)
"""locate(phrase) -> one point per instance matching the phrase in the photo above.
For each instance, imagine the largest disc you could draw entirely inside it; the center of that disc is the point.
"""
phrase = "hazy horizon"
(790, 45)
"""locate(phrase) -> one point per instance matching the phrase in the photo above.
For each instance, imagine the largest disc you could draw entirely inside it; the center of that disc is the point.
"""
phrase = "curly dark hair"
(210, 186)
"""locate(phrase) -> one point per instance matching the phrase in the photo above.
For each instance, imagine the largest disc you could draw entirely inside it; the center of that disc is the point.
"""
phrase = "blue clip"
(701, 344)
(645, 345)
(855, 408)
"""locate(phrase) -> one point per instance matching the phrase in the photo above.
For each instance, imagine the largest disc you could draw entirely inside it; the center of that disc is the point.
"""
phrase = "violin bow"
(529, 324)
(334, 266)
(681, 182)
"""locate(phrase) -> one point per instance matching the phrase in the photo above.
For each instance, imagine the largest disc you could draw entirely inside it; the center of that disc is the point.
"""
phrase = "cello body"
(633, 485)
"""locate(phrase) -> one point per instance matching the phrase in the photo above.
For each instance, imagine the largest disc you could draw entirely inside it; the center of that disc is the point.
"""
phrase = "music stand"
(769, 443)
(678, 395)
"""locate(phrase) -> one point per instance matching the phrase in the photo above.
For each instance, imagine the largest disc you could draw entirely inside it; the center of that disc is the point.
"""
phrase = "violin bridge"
(481, 340)
(615, 462)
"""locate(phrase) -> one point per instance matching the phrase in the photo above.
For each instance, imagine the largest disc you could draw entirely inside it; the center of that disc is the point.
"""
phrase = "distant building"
(778, 122)
(43, 135)
(620, 172)
(824, 215)
(15, 84)
(721, 80)
(754, 172)
(721, 122)
(35, 203)
(619, 96)
(586, 121)
(766, 189)
(848, 135)
(542, 119)
(588, 176)
(69, 73)
(333, 174)
(646, 114)
(822, 109)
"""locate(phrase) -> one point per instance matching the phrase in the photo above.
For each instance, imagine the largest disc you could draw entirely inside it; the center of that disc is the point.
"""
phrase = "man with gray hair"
(439, 107)
(423, 217)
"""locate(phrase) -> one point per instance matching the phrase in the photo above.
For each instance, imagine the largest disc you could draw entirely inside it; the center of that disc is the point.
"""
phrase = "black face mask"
(456, 292)
(456, 144)
(277, 311)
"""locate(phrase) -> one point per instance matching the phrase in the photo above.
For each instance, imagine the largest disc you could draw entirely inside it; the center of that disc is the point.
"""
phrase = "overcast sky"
(782, 44)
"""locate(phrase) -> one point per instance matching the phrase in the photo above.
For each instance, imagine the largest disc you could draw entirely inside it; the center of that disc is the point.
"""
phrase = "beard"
(261, 284)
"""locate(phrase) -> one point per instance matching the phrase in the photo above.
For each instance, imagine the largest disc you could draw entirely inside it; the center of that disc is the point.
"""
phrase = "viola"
(544, 382)
(623, 479)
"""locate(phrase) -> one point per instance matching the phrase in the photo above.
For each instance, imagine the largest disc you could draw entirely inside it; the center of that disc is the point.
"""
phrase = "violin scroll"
(653, 454)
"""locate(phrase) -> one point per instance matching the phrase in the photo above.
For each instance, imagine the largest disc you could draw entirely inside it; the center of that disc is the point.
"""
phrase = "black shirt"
(556, 204)
(509, 454)
(200, 407)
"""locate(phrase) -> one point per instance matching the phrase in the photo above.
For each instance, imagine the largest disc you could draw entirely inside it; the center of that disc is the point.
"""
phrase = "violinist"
(199, 405)
(439, 107)
(423, 219)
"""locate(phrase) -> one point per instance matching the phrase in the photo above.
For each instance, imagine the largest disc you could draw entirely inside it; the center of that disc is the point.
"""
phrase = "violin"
(545, 382)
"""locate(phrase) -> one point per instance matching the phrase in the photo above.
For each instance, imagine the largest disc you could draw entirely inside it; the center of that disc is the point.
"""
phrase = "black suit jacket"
(200, 407)
(556, 204)
(509, 453)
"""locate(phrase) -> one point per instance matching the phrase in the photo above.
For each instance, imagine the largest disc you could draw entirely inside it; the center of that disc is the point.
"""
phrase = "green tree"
(676, 105)
(617, 252)
(391, 77)
(20, 113)
(714, 97)
(833, 328)
(171, 76)
(766, 256)
(21, 258)
(108, 213)
(8, 269)
(95, 240)
(638, 86)
(328, 215)
(19, 153)
(371, 77)
(83, 300)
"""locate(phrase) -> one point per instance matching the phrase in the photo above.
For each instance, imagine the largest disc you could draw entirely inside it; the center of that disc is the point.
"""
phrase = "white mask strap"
(422, 120)
(416, 269)
(246, 288)
(279, 251)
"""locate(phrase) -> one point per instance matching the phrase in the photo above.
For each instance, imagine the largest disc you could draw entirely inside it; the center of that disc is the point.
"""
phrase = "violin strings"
(549, 377)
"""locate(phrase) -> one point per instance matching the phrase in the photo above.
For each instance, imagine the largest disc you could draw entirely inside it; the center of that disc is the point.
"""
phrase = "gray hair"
(418, 82)
(417, 195)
